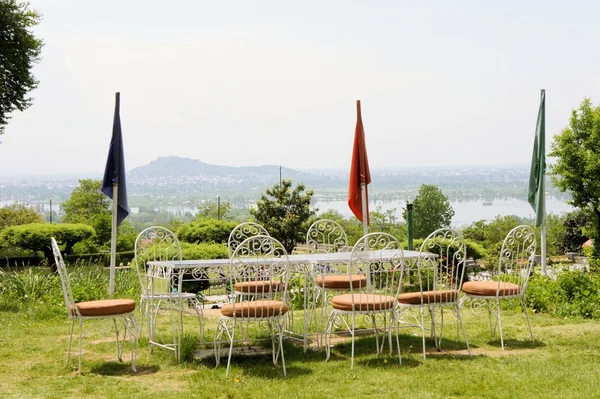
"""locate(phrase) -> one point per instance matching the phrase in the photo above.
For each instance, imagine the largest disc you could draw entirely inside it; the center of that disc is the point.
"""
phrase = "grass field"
(564, 362)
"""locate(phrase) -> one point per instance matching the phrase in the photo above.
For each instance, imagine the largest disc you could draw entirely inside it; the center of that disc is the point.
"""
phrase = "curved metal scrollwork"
(242, 232)
(325, 236)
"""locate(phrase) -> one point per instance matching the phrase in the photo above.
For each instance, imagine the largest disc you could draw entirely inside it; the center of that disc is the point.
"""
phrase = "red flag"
(359, 170)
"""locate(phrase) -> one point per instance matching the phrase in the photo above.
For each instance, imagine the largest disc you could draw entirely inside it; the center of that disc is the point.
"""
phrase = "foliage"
(491, 235)
(86, 203)
(36, 236)
(572, 294)
(285, 213)
(431, 211)
(18, 214)
(577, 167)
(351, 226)
(554, 232)
(19, 51)
(203, 251)
(573, 235)
(212, 210)
(387, 222)
(206, 230)
(475, 251)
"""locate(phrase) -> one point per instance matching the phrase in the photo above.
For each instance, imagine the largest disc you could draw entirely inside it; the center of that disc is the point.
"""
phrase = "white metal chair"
(510, 278)
(159, 286)
(259, 265)
(379, 258)
(243, 231)
(97, 310)
(438, 278)
(326, 236)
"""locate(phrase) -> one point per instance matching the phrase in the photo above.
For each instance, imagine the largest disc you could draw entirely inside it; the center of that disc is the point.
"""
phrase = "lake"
(466, 212)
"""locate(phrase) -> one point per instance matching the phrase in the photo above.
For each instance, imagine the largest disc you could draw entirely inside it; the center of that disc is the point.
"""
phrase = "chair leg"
(281, 328)
(200, 313)
(352, 334)
(230, 349)
(80, 339)
(330, 323)
(524, 305)
(119, 345)
(70, 340)
(499, 316)
(459, 319)
(422, 311)
(396, 322)
(134, 332)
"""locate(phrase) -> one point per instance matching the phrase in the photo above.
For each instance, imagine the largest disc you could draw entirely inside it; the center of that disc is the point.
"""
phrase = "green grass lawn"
(564, 362)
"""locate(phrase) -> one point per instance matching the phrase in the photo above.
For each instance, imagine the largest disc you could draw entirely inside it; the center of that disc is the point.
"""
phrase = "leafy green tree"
(36, 236)
(577, 167)
(19, 51)
(212, 210)
(18, 214)
(431, 211)
(387, 222)
(573, 234)
(285, 212)
(86, 202)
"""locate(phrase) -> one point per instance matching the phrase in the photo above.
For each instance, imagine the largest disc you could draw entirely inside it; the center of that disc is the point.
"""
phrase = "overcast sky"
(275, 82)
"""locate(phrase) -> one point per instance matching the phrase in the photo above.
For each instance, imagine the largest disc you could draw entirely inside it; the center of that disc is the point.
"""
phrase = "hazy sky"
(275, 82)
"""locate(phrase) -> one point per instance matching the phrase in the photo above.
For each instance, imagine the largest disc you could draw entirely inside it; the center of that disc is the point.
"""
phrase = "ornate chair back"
(241, 232)
(325, 236)
(65, 281)
(259, 267)
(155, 243)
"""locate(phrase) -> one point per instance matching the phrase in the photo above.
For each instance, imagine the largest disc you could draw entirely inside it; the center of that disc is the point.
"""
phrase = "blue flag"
(114, 173)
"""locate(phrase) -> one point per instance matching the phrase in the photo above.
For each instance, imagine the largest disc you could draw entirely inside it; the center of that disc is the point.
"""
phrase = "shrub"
(36, 236)
(206, 230)
(572, 294)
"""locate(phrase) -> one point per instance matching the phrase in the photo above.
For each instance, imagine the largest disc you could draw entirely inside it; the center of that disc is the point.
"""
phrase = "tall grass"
(35, 287)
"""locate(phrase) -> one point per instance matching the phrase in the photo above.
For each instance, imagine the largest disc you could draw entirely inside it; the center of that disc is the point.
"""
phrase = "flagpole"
(365, 210)
(543, 252)
(113, 239)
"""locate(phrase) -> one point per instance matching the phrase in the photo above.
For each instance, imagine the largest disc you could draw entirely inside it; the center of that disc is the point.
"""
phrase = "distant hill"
(178, 167)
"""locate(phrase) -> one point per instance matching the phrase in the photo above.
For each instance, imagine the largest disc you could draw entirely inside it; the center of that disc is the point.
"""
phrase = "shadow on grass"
(120, 368)
(516, 344)
(413, 345)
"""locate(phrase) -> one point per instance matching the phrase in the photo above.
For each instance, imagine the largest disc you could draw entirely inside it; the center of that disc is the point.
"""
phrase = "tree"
(285, 212)
(19, 50)
(18, 214)
(573, 235)
(86, 202)
(211, 210)
(387, 222)
(431, 211)
(577, 167)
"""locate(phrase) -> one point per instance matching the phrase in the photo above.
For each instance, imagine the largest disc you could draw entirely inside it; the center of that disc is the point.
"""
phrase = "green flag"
(538, 164)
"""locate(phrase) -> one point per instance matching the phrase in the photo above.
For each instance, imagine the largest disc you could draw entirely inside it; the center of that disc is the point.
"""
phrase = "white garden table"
(217, 270)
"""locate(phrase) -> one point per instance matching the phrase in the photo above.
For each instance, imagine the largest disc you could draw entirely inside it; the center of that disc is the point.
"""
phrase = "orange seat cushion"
(341, 281)
(363, 302)
(439, 296)
(255, 309)
(106, 307)
(257, 287)
(490, 288)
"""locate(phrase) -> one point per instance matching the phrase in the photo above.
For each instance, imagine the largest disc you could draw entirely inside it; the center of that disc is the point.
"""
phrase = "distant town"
(174, 183)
